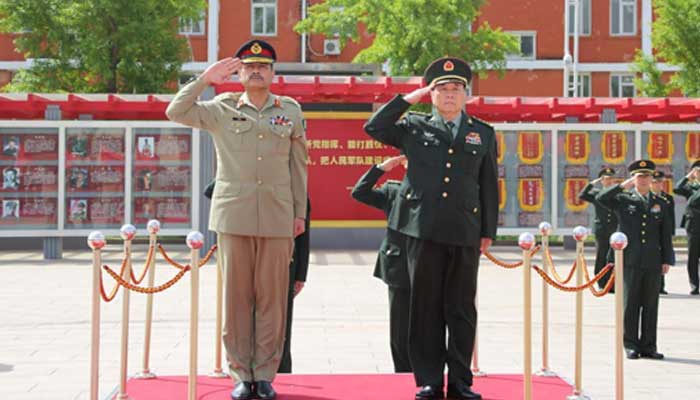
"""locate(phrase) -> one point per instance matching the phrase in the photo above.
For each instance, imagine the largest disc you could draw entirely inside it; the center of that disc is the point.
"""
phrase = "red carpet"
(344, 387)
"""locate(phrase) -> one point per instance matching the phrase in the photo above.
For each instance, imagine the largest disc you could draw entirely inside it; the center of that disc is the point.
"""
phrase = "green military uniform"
(391, 266)
(260, 190)
(447, 202)
(604, 225)
(691, 222)
(644, 220)
(671, 210)
(298, 269)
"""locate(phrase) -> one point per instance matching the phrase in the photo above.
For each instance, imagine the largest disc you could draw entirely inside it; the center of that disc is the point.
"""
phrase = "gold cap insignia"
(643, 164)
(448, 66)
(255, 48)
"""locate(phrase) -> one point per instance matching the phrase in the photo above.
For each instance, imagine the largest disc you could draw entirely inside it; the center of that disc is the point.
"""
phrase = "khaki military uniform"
(260, 188)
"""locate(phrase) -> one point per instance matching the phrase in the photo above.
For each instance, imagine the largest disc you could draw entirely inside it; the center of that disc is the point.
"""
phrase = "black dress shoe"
(655, 355)
(461, 391)
(632, 354)
(695, 292)
(264, 390)
(242, 391)
(429, 392)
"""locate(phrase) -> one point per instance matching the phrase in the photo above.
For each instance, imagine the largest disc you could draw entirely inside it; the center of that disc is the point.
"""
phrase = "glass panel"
(586, 85)
(615, 86)
(586, 17)
(628, 16)
(628, 91)
(29, 191)
(615, 16)
(162, 170)
(258, 20)
(527, 46)
(94, 177)
(270, 20)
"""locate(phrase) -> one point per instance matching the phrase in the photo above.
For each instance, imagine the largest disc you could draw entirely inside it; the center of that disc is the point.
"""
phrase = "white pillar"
(213, 32)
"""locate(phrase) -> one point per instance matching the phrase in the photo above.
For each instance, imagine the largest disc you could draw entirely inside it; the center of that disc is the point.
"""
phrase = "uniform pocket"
(226, 189)
(283, 136)
(238, 129)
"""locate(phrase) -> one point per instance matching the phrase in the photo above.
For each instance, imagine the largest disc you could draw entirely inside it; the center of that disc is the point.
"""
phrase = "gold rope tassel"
(140, 289)
(563, 288)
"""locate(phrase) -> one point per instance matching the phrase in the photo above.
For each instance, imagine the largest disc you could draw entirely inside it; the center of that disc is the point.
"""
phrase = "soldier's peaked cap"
(606, 171)
(642, 167)
(256, 51)
(448, 69)
(696, 164)
(658, 175)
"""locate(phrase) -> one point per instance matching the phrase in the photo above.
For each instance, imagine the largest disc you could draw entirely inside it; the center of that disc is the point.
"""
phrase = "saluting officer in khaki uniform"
(258, 207)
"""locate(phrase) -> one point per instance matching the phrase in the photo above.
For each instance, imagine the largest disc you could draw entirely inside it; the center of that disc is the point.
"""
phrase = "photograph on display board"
(78, 178)
(10, 146)
(144, 180)
(78, 211)
(10, 209)
(78, 145)
(10, 178)
(146, 147)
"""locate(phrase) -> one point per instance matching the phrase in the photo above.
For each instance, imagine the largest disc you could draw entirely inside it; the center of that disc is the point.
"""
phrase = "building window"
(584, 85)
(622, 85)
(192, 26)
(584, 10)
(528, 45)
(623, 17)
(264, 17)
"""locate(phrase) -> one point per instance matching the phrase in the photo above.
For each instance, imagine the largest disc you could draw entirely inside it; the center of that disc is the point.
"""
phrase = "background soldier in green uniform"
(657, 186)
(297, 278)
(605, 222)
(391, 266)
(258, 205)
(448, 208)
(689, 188)
(643, 218)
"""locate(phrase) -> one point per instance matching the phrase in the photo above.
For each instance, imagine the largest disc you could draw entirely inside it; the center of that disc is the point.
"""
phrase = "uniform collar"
(272, 101)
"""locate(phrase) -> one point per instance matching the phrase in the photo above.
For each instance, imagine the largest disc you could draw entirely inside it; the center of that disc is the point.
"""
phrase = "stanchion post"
(195, 241)
(476, 371)
(96, 241)
(545, 230)
(526, 241)
(218, 372)
(153, 228)
(580, 233)
(618, 242)
(127, 232)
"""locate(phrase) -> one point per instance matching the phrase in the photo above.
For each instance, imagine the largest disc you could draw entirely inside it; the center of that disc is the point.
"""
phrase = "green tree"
(98, 46)
(649, 80)
(409, 34)
(676, 40)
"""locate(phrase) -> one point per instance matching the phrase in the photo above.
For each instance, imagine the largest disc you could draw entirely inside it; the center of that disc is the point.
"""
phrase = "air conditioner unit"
(331, 47)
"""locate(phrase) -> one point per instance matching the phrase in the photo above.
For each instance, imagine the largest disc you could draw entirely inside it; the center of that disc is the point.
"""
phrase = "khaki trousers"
(256, 280)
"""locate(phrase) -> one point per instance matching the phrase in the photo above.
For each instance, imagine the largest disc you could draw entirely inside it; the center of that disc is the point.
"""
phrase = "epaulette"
(481, 121)
(289, 100)
(233, 97)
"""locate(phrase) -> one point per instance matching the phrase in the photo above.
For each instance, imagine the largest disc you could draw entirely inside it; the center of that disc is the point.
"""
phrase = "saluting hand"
(415, 96)
(594, 181)
(221, 71)
(391, 163)
(629, 183)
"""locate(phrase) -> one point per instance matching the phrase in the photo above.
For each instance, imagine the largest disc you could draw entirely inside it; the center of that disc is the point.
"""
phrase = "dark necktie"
(451, 127)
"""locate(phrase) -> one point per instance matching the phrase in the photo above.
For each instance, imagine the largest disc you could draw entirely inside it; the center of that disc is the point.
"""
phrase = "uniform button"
(259, 158)
(259, 182)
(643, 232)
(425, 143)
(644, 215)
(444, 194)
(644, 241)
(476, 210)
(238, 131)
(408, 196)
(260, 136)
(644, 224)
(450, 151)
(473, 151)
(447, 179)
(448, 165)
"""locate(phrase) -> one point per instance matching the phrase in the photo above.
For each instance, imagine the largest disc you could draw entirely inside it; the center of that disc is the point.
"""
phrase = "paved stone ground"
(341, 326)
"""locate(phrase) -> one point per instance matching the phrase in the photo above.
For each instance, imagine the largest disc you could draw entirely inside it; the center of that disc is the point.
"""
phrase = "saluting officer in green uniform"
(448, 209)
(657, 186)
(391, 266)
(689, 188)
(605, 221)
(643, 218)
